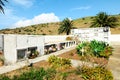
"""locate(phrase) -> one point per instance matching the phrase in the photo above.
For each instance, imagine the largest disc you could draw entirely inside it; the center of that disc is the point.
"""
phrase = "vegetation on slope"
(52, 28)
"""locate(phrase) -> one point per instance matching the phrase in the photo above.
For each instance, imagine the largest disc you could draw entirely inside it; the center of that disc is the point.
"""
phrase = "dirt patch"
(17, 72)
(73, 76)
(70, 55)
(43, 63)
(73, 55)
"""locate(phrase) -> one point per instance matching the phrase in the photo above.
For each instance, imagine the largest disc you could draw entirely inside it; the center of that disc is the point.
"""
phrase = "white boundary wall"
(1, 42)
(12, 43)
(10, 49)
(56, 38)
(88, 34)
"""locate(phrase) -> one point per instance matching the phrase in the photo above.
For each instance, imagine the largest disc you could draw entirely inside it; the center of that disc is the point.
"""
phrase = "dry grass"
(52, 28)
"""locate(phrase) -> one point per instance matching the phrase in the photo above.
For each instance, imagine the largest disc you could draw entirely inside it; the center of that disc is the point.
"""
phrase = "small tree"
(66, 26)
(103, 20)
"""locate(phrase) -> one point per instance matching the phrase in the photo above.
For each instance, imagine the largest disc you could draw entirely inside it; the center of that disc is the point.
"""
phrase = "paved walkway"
(114, 62)
(5, 69)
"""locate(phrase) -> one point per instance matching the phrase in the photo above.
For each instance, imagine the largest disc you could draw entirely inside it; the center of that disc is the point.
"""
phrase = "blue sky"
(27, 12)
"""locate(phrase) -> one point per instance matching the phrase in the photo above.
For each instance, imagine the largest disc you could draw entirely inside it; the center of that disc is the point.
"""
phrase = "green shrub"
(97, 47)
(59, 63)
(32, 75)
(4, 77)
(83, 18)
(106, 52)
(50, 74)
(94, 73)
(63, 75)
(85, 47)
(94, 48)
(80, 47)
(52, 59)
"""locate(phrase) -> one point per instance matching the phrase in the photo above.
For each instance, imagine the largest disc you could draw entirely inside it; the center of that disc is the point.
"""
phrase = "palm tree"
(66, 26)
(103, 20)
(2, 4)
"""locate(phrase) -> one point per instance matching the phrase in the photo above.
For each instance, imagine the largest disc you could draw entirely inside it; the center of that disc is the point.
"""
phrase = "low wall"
(88, 34)
(14, 45)
(55, 38)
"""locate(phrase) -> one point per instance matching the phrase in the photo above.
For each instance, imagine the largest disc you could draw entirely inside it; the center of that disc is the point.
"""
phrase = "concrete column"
(58, 46)
(40, 45)
(10, 52)
(68, 44)
(65, 45)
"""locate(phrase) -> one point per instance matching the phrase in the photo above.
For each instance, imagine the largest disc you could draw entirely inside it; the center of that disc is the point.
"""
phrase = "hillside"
(52, 28)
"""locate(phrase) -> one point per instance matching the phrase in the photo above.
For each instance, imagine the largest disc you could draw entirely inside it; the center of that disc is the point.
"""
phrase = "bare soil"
(73, 55)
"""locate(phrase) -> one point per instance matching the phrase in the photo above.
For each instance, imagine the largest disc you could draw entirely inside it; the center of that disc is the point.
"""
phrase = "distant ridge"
(52, 28)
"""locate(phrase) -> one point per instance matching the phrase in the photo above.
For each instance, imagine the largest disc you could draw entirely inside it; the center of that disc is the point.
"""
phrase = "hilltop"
(52, 28)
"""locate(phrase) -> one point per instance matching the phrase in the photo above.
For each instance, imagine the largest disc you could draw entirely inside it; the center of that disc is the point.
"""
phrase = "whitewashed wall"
(88, 34)
(12, 43)
(40, 44)
(10, 49)
(1, 42)
(56, 38)
(21, 41)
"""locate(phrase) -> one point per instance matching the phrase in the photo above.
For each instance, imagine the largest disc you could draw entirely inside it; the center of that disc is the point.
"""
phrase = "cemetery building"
(21, 47)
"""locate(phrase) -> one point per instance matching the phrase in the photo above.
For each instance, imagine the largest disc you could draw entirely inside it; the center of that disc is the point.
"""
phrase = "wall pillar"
(10, 52)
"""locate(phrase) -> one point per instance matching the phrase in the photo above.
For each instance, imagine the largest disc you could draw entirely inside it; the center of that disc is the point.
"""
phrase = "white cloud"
(70, 18)
(81, 8)
(8, 19)
(26, 3)
(42, 18)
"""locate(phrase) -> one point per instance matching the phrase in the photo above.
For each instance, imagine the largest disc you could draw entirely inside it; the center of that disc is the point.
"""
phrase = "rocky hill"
(52, 28)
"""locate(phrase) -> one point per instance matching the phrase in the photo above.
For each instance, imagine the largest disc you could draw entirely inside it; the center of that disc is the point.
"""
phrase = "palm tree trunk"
(67, 33)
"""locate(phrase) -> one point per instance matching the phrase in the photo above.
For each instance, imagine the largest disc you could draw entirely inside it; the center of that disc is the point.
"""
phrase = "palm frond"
(2, 4)
(103, 20)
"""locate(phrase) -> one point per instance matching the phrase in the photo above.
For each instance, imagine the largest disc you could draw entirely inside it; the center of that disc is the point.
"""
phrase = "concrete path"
(76, 63)
(5, 69)
(114, 62)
